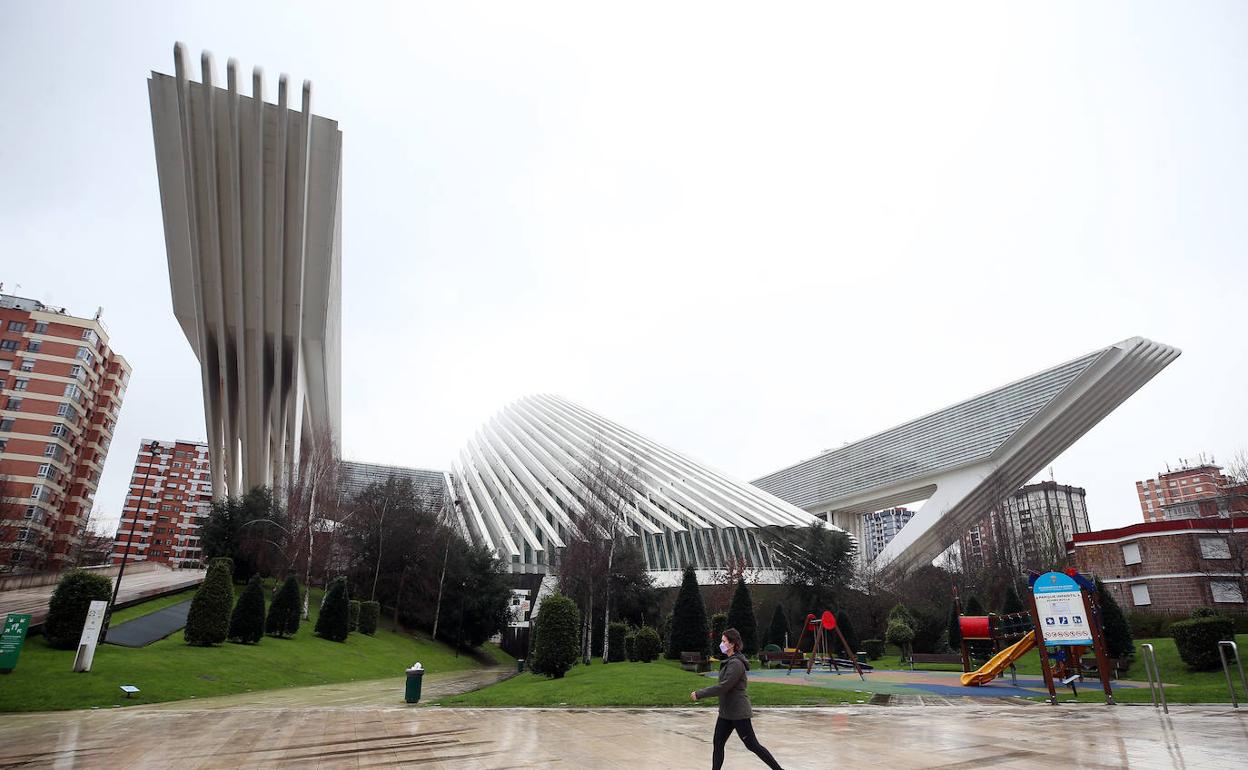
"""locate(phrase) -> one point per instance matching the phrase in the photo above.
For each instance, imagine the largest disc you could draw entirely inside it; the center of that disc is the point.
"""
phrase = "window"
(36, 492)
(20, 384)
(45, 470)
(1131, 553)
(1215, 548)
(33, 345)
(8, 345)
(49, 450)
(1227, 591)
(85, 355)
(64, 410)
(78, 371)
(30, 511)
(1139, 595)
(28, 364)
(23, 534)
(59, 430)
(41, 327)
(13, 403)
(17, 326)
(6, 423)
(90, 336)
(4, 443)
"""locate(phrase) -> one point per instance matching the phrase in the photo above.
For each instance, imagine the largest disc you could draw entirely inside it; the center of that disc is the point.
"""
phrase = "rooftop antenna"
(99, 311)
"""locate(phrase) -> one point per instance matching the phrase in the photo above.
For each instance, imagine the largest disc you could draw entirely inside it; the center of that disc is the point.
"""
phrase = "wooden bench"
(784, 658)
(694, 661)
(923, 657)
(1118, 666)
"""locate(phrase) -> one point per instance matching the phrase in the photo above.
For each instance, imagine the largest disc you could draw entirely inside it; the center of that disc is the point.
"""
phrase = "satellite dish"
(829, 620)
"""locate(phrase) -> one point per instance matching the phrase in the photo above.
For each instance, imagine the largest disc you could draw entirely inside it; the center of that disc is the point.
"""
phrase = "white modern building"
(251, 196)
(962, 459)
(525, 483)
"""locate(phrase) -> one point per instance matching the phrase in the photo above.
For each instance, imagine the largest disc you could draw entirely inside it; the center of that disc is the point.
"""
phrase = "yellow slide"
(1000, 661)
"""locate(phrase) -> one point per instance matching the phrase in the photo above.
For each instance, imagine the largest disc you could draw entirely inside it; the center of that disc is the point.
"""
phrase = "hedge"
(617, 652)
(67, 611)
(1197, 640)
(370, 613)
(647, 646)
(874, 648)
(334, 622)
(353, 615)
(557, 636)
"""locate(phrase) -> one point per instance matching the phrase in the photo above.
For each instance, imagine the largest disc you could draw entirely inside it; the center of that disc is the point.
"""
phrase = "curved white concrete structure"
(964, 458)
(251, 195)
(519, 485)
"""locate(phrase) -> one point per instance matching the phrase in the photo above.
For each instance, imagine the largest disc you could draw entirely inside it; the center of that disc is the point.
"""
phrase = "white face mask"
(723, 647)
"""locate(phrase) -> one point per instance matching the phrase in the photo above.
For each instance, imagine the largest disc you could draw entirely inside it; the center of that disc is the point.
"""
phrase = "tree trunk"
(606, 609)
(589, 629)
(307, 575)
(381, 540)
(437, 610)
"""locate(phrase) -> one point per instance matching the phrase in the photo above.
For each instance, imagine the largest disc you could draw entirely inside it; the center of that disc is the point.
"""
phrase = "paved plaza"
(997, 734)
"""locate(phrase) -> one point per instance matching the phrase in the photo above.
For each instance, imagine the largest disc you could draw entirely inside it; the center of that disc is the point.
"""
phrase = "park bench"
(1118, 666)
(923, 657)
(694, 661)
(784, 658)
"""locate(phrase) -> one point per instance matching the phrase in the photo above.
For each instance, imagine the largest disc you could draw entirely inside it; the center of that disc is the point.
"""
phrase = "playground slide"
(1000, 661)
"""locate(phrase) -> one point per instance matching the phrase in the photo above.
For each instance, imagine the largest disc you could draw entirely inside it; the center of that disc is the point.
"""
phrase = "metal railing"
(1226, 669)
(1154, 676)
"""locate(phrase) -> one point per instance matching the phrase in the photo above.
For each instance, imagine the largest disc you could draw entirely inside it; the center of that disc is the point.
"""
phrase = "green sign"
(12, 635)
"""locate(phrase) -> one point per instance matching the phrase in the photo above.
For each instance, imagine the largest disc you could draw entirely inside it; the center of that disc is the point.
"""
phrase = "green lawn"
(661, 683)
(170, 670)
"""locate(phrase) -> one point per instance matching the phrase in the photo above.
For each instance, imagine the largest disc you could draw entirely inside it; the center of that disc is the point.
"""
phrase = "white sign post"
(90, 636)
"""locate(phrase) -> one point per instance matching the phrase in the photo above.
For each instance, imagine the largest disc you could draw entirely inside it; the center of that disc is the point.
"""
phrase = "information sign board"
(1061, 611)
(12, 636)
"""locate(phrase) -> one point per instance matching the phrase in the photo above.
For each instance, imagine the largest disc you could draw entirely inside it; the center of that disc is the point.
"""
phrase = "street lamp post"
(154, 449)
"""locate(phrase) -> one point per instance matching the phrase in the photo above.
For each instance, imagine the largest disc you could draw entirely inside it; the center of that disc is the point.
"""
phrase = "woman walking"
(734, 704)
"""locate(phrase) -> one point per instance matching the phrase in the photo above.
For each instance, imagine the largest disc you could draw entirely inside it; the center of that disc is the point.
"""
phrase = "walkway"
(151, 627)
(993, 735)
(134, 587)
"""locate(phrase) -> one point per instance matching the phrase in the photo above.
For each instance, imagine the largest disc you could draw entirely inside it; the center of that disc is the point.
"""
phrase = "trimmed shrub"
(1118, 641)
(223, 560)
(285, 612)
(208, 621)
(665, 632)
(630, 645)
(247, 622)
(353, 615)
(370, 613)
(900, 634)
(902, 612)
(1150, 625)
(874, 648)
(616, 651)
(741, 617)
(557, 631)
(778, 630)
(689, 626)
(647, 645)
(334, 622)
(719, 622)
(1197, 640)
(1204, 612)
(67, 611)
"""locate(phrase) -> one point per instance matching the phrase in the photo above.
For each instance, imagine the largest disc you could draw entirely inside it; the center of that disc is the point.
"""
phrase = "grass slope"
(171, 670)
(661, 683)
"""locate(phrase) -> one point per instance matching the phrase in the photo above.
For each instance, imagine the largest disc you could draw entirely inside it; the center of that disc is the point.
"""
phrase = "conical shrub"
(247, 622)
(741, 617)
(689, 626)
(285, 611)
(779, 628)
(334, 622)
(208, 621)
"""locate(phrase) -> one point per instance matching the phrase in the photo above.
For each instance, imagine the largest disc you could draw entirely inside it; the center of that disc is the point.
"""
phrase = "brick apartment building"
(61, 388)
(1033, 524)
(1181, 493)
(1169, 566)
(166, 514)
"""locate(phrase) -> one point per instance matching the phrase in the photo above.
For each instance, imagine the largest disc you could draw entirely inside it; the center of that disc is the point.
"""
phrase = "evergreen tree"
(955, 628)
(370, 612)
(353, 615)
(1118, 641)
(208, 621)
(1011, 603)
(285, 611)
(719, 623)
(334, 622)
(779, 627)
(689, 627)
(973, 607)
(67, 611)
(846, 624)
(557, 634)
(741, 617)
(247, 622)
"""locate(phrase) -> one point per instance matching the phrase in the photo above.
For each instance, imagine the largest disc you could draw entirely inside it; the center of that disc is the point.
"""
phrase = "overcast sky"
(751, 232)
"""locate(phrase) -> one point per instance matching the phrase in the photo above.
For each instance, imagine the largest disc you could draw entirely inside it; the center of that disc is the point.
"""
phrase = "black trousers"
(724, 728)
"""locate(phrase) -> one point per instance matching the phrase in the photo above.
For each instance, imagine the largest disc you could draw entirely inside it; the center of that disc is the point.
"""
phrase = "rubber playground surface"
(943, 683)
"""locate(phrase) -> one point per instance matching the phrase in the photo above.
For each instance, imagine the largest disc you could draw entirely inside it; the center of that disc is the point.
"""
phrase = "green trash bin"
(862, 657)
(415, 675)
(519, 665)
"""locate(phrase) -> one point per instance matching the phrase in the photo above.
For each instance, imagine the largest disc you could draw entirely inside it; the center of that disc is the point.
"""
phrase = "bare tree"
(312, 503)
(93, 545)
(724, 581)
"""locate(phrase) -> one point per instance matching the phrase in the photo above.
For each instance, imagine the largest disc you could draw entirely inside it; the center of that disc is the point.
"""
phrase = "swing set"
(822, 629)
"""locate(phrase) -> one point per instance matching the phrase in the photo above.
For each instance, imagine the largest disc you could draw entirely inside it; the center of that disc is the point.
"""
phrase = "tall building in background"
(1031, 526)
(1182, 493)
(62, 391)
(251, 198)
(170, 496)
(354, 477)
(880, 527)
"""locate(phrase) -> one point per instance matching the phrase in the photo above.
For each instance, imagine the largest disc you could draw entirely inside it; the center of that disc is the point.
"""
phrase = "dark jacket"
(733, 702)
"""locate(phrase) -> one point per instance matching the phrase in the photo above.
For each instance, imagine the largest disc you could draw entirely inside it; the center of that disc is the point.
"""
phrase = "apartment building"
(170, 496)
(1031, 526)
(61, 388)
(1184, 493)
(879, 528)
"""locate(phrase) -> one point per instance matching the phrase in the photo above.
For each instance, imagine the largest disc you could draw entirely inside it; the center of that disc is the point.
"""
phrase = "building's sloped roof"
(952, 437)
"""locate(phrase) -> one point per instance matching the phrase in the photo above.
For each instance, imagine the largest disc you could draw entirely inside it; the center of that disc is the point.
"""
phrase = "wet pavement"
(998, 735)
